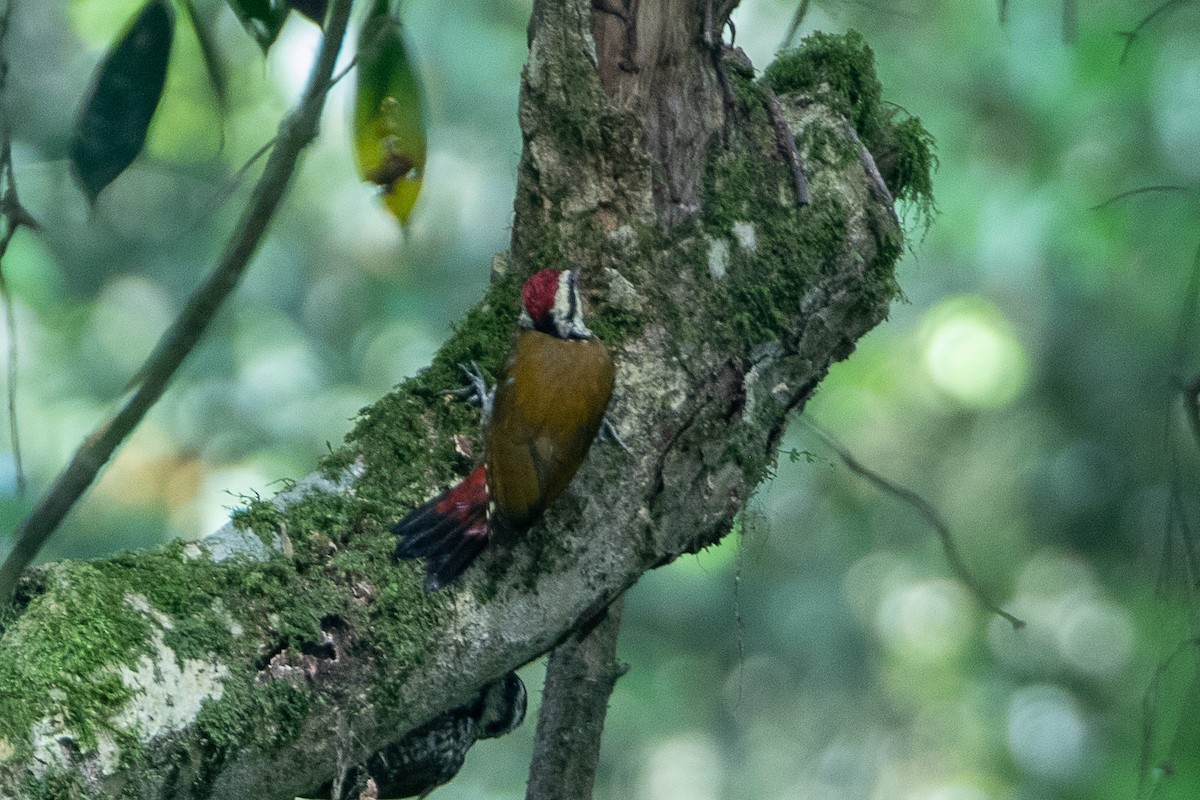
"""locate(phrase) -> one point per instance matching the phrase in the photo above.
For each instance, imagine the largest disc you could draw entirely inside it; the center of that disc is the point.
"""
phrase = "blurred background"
(1028, 387)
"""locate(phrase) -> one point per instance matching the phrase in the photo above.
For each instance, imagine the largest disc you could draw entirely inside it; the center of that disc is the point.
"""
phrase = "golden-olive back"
(549, 405)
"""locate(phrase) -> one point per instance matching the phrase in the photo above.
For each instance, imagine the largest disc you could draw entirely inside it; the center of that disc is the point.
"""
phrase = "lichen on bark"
(724, 300)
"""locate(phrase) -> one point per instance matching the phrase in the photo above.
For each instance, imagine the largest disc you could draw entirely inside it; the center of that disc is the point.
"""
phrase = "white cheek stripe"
(562, 298)
(569, 325)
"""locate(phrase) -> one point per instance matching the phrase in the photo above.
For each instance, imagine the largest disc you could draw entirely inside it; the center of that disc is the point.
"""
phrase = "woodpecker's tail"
(449, 531)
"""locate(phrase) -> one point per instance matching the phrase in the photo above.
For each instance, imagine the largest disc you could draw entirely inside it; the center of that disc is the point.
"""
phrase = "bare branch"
(928, 513)
(296, 131)
(580, 677)
(1190, 306)
(794, 26)
(1070, 21)
(1147, 779)
(1131, 36)
(1191, 406)
(787, 147)
(15, 217)
(1117, 198)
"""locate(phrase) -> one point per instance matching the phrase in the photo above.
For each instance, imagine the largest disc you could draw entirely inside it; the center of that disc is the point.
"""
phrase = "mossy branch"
(218, 669)
(296, 132)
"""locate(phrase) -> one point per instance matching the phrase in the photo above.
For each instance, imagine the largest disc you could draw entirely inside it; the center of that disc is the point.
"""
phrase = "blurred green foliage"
(1027, 388)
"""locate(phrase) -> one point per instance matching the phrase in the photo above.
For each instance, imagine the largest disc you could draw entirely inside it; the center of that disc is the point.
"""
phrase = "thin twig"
(240, 175)
(580, 676)
(713, 26)
(1191, 407)
(739, 621)
(930, 515)
(15, 217)
(797, 21)
(1185, 334)
(879, 186)
(1166, 187)
(1177, 522)
(785, 142)
(13, 224)
(1131, 36)
(1150, 702)
(1070, 20)
(296, 131)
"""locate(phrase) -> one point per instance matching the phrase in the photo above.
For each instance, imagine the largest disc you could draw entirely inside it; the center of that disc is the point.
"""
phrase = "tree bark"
(263, 659)
(580, 676)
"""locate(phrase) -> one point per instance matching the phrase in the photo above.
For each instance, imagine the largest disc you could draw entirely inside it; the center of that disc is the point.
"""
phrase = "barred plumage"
(434, 753)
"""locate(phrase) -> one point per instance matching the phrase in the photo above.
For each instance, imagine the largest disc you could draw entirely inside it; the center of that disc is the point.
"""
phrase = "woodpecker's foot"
(478, 392)
(609, 431)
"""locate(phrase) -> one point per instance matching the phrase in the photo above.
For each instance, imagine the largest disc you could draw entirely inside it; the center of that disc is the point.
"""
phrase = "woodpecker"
(433, 754)
(549, 404)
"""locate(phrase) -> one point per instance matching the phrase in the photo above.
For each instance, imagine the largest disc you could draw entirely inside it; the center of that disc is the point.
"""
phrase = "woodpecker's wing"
(417, 764)
(549, 404)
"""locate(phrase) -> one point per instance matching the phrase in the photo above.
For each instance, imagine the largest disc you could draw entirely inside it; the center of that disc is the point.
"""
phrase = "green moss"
(258, 515)
(404, 438)
(66, 639)
(616, 326)
(92, 619)
(747, 182)
(828, 146)
(55, 786)
(569, 96)
(266, 716)
(907, 164)
(837, 69)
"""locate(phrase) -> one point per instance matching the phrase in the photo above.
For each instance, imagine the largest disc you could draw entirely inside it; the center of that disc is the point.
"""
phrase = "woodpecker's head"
(552, 304)
(503, 706)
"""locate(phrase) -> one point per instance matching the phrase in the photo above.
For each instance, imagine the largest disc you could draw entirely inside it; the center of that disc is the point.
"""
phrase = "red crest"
(538, 294)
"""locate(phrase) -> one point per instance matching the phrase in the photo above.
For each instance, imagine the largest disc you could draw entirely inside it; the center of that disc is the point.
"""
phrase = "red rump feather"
(448, 531)
(461, 502)
(539, 292)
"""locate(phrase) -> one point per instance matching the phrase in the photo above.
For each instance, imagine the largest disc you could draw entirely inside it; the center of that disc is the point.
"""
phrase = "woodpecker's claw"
(477, 392)
(609, 431)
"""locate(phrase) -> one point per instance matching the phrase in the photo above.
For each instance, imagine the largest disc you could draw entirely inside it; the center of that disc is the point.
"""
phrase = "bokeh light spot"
(686, 766)
(1177, 109)
(953, 792)
(930, 620)
(126, 321)
(972, 354)
(1047, 735)
(1096, 638)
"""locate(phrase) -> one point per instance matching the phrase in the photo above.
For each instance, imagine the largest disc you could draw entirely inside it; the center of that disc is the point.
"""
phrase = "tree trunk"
(263, 659)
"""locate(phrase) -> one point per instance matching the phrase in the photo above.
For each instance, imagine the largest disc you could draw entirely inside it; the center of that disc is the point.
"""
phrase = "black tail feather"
(423, 531)
(449, 531)
(444, 568)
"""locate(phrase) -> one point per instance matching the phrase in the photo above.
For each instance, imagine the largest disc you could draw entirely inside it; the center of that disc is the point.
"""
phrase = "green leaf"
(262, 19)
(389, 116)
(214, 64)
(111, 128)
